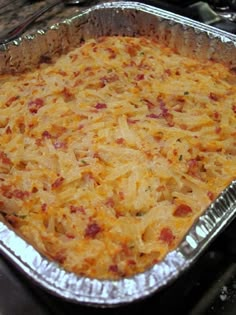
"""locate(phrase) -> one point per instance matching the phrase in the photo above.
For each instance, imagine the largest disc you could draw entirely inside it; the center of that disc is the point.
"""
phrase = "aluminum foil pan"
(187, 37)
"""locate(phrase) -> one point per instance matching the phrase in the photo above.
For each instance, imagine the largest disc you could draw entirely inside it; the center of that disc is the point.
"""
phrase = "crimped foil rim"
(103, 293)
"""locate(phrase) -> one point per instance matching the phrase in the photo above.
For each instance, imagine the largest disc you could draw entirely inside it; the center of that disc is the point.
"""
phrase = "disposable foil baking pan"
(188, 38)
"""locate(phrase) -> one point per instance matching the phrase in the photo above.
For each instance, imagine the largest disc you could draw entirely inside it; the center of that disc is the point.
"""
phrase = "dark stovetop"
(208, 287)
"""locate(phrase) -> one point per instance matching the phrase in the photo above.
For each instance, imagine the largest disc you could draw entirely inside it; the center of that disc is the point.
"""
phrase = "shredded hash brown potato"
(109, 155)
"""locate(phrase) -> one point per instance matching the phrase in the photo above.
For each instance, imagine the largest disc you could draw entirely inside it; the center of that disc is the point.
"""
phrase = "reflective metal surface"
(189, 38)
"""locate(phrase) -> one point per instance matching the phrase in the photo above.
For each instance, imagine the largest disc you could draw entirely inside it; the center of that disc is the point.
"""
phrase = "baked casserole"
(109, 154)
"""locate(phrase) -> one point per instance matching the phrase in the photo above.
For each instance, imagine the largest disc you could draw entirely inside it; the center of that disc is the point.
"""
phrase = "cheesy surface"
(109, 155)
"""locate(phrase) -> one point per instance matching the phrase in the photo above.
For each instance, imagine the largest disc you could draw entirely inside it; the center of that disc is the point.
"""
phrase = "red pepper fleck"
(35, 105)
(182, 210)
(166, 235)
(58, 182)
(92, 230)
(100, 105)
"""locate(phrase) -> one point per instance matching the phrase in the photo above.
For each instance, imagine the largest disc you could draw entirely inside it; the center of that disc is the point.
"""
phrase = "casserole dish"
(187, 38)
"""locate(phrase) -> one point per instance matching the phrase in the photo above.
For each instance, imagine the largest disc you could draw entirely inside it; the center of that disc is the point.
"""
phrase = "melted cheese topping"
(109, 155)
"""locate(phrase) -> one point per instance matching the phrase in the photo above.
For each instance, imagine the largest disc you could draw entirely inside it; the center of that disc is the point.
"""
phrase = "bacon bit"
(74, 209)
(19, 194)
(182, 210)
(175, 152)
(121, 195)
(38, 142)
(120, 140)
(63, 73)
(213, 96)
(35, 105)
(132, 121)
(13, 220)
(155, 116)
(21, 127)
(131, 262)
(140, 77)
(192, 164)
(44, 207)
(8, 130)
(131, 50)
(59, 257)
(11, 100)
(166, 235)
(150, 105)
(58, 182)
(113, 268)
(16, 193)
(218, 130)
(234, 108)
(216, 116)
(71, 236)
(112, 53)
(168, 72)
(155, 261)
(92, 230)
(67, 95)
(5, 159)
(100, 105)
(46, 134)
(210, 195)
(59, 145)
(73, 57)
(113, 77)
(161, 188)
(110, 202)
(80, 127)
(76, 73)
